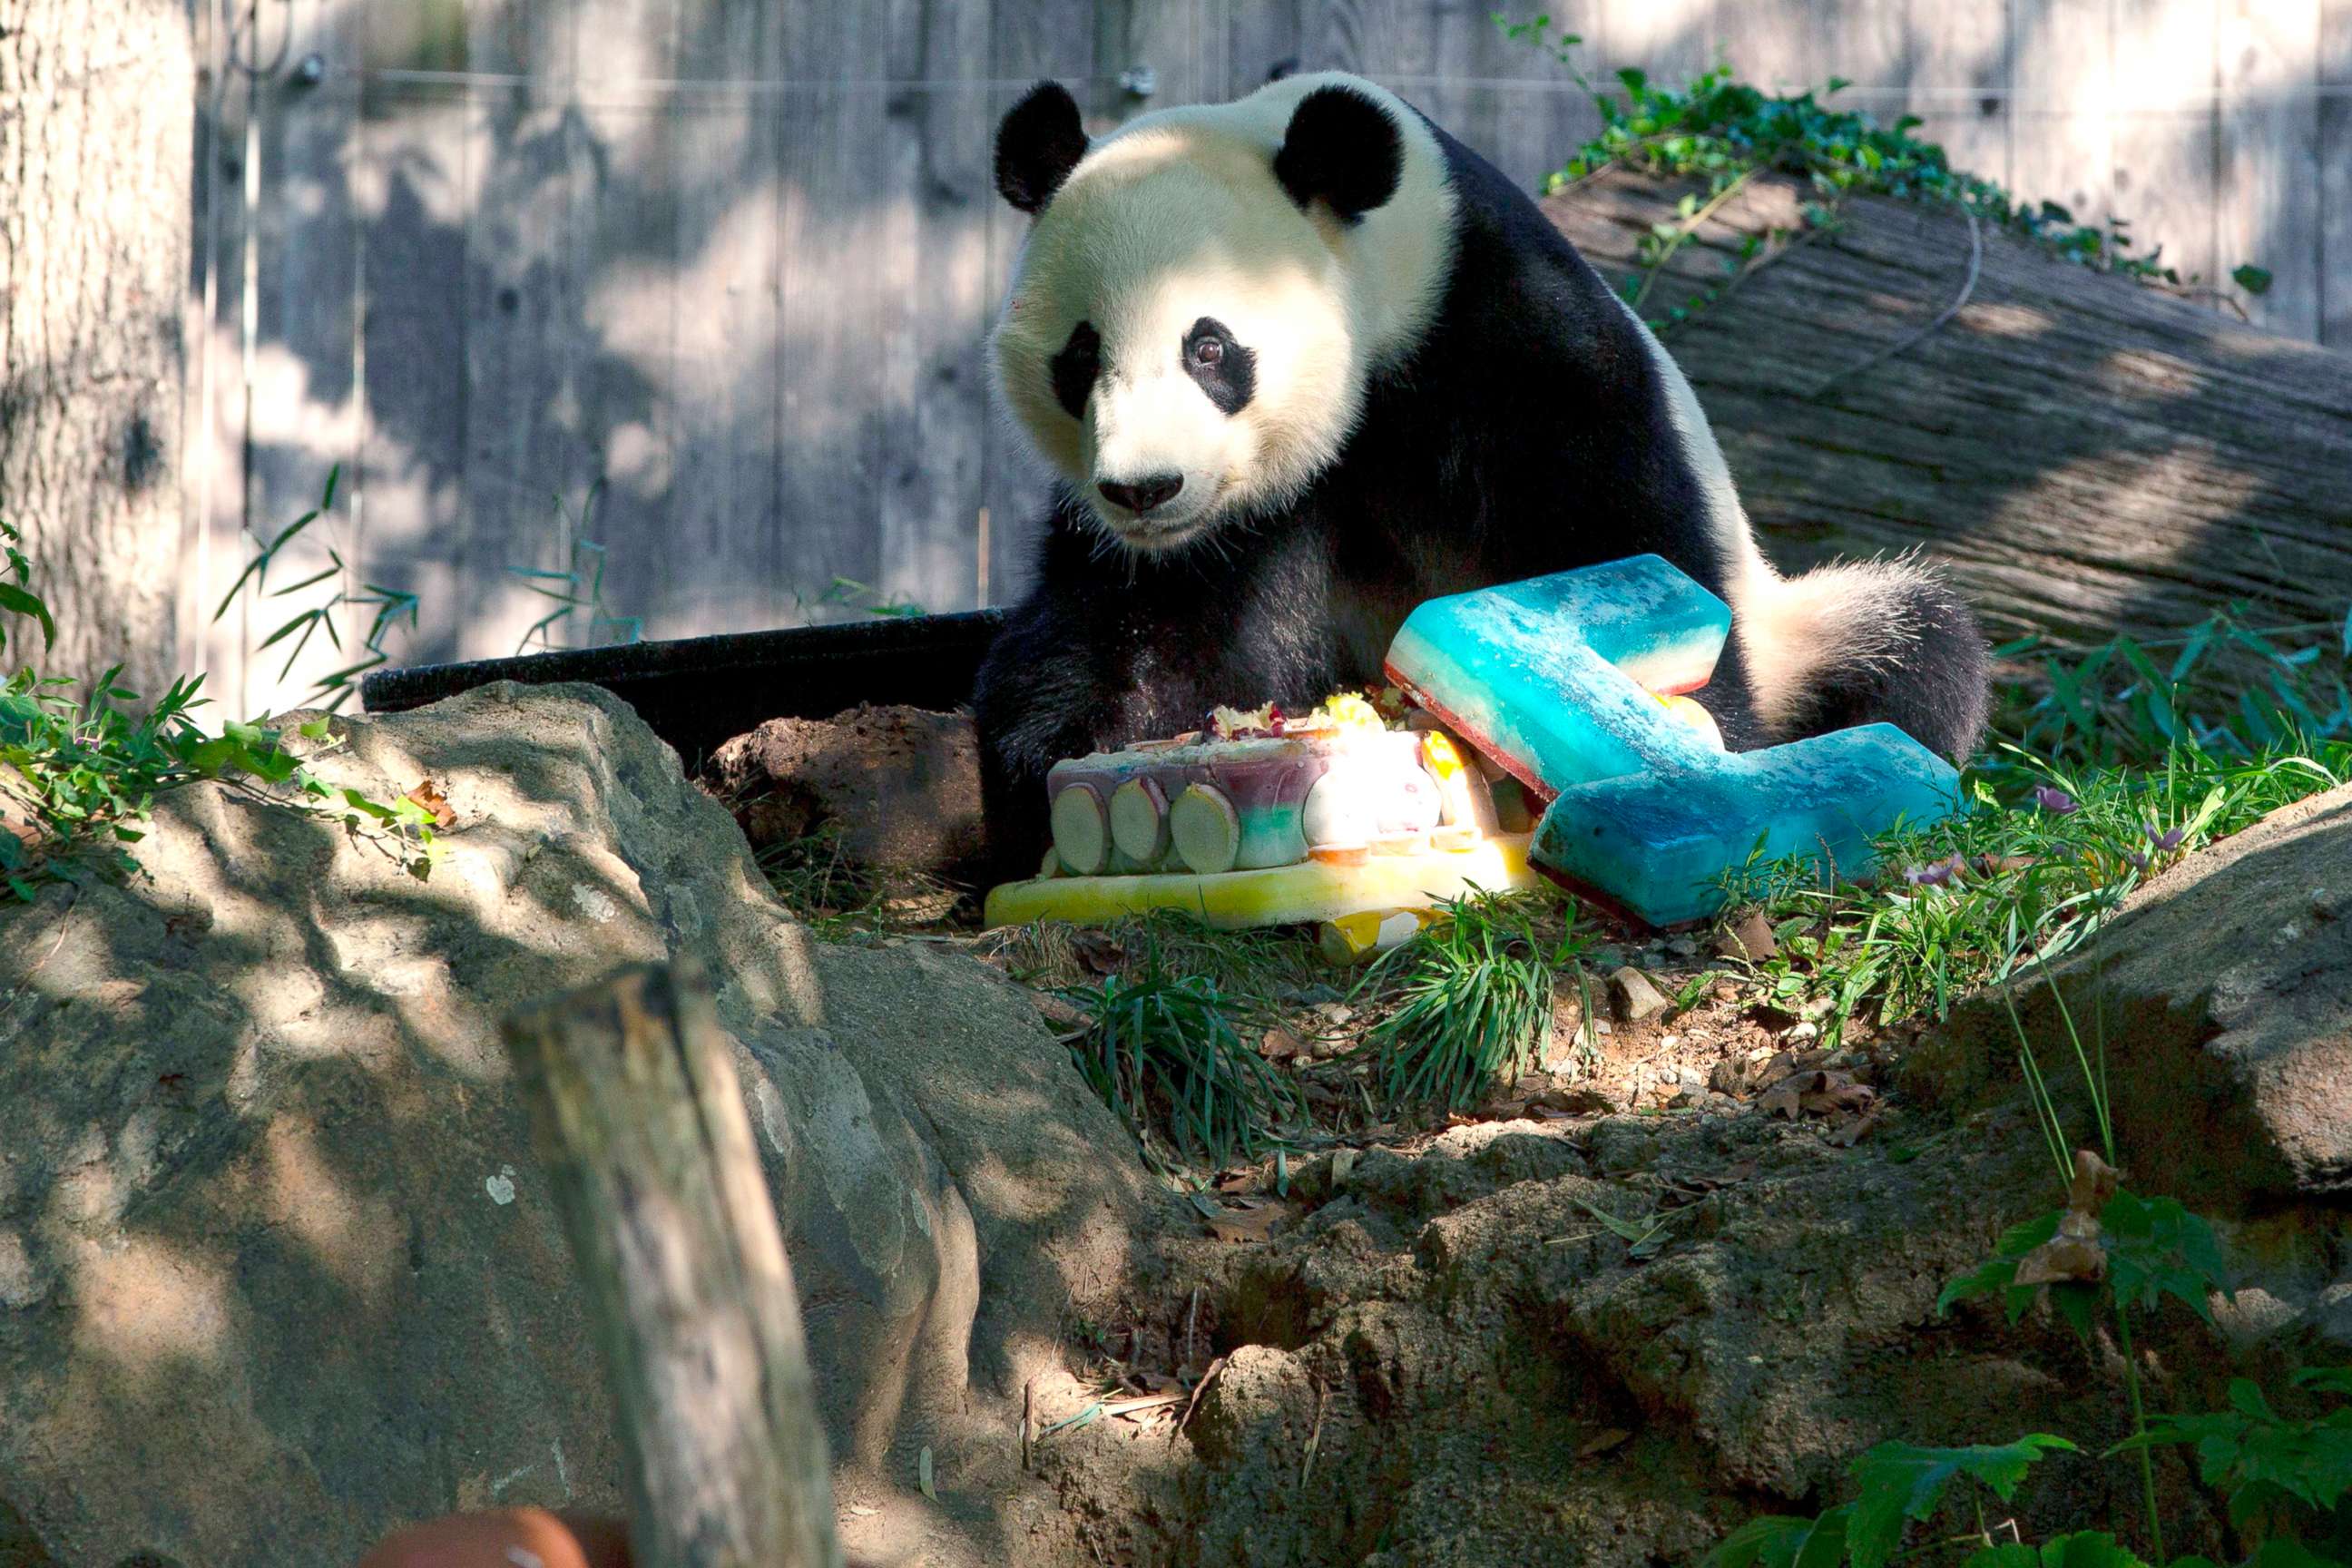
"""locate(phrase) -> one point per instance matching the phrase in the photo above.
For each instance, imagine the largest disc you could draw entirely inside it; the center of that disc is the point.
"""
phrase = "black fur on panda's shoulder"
(1527, 433)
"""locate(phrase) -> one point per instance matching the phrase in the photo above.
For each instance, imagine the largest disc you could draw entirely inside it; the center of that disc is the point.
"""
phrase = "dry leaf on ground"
(427, 797)
(2074, 1254)
(1254, 1222)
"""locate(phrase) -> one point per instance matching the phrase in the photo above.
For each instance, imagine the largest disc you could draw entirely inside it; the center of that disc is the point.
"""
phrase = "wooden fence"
(726, 265)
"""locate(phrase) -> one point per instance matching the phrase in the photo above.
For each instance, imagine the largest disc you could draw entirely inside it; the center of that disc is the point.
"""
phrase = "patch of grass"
(1165, 1051)
(837, 897)
(846, 597)
(579, 586)
(1261, 965)
(1982, 897)
(388, 609)
(2121, 765)
(80, 774)
(1473, 993)
(2223, 688)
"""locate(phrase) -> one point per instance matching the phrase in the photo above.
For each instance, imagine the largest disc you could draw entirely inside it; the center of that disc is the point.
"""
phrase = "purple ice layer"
(1266, 782)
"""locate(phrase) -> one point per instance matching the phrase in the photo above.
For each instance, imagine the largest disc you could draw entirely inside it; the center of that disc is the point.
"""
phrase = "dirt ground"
(1678, 1279)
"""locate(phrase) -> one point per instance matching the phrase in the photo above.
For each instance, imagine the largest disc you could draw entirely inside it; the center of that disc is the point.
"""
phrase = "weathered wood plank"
(2163, 132)
(1673, 40)
(1777, 44)
(628, 169)
(1522, 106)
(728, 281)
(1057, 39)
(213, 543)
(525, 333)
(1028, 39)
(304, 407)
(1258, 35)
(2063, 147)
(835, 194)
(1165, 35)
(412, 190)
(1367, 36)
(2335, 173)
(1960, 83)
(624, 109)
(638, 1117)
(2085, 452)
(936, 400)
(2267, 190)
(528, 469)
(1868, 43)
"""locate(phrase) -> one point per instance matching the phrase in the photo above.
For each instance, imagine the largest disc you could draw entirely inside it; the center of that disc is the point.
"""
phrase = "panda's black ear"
(1342, 147)
(1039, 143)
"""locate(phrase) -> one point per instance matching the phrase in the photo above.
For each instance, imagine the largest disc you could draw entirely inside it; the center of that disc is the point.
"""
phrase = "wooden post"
(640, 1125)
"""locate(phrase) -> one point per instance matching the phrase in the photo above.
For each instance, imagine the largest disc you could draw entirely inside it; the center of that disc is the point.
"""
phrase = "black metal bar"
(697, 692)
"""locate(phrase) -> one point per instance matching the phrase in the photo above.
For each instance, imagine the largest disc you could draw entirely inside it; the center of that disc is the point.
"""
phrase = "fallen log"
(640, 1123)
(2087, 454)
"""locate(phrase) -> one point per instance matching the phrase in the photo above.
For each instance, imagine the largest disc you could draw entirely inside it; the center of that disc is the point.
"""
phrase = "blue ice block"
(1553, 678)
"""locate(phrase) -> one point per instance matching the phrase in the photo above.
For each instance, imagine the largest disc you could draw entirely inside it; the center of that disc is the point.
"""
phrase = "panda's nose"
(1143, 494)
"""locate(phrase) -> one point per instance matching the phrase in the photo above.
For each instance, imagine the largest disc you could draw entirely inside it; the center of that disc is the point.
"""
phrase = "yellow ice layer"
(1692, 714)
(1351, 939)
(1277, 895)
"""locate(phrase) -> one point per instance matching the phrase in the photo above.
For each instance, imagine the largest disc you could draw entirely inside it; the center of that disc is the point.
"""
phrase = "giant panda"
(1302, 360)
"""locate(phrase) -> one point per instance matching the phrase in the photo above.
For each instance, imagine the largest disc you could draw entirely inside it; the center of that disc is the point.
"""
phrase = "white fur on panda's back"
(1791, 630)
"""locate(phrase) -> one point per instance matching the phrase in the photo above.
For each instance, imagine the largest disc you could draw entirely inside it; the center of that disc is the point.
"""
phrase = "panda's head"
(1203, 294)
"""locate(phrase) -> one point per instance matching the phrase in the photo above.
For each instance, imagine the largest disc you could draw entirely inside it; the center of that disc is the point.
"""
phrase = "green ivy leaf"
(1900, 1483)
(2157, 1248)
(1999, 1273)
(2278, 1551)
(24, 602)
(1781, 1542)
(2253, 279)
(2083, 1548)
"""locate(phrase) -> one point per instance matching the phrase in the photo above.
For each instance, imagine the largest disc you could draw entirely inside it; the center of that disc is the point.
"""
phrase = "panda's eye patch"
(1224, 371)
(1075, 368)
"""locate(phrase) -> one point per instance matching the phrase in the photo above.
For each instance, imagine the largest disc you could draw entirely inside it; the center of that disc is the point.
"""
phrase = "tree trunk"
(97, 121)
(2086, 454)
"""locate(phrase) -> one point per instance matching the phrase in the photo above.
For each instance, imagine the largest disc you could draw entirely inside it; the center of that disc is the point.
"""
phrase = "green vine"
(81, 770)
(1723, 133)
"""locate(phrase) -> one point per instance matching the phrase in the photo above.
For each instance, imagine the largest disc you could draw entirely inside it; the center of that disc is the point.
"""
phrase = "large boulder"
(277, 1267)
(2221, 997)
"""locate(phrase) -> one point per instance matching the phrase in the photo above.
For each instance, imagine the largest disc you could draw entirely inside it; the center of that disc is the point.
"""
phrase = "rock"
(901, 784)
(1780, 1320)
(1633, 998)
(1802, 1034)
(1748, 938)
(2224, 987)
(1260, 1393)
(279, 1268)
